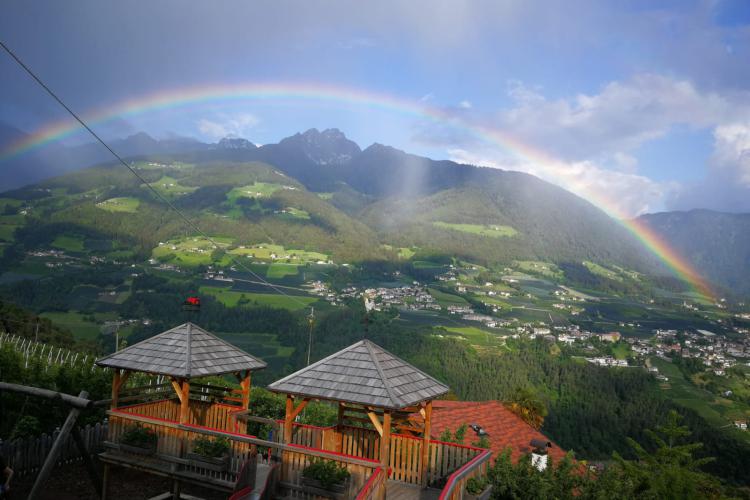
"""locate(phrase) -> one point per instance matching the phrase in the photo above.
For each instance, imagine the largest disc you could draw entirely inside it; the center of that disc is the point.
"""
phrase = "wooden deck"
(397, 490)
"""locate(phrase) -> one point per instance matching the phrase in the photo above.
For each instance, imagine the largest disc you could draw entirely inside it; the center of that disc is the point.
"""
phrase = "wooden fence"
(26, 455)
(48, 354)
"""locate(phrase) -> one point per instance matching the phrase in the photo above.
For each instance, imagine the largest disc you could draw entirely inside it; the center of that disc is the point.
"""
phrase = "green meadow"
(69, 243)
(492, 231)
(128, 205)
(75, 322)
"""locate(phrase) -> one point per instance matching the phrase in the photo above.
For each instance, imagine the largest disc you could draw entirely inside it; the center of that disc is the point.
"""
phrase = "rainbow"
(343, 96)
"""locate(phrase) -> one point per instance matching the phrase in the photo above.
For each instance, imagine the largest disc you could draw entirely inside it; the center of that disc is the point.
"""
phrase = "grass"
(602, 271)
(6, 232)
(193, 251)
(277, 270)
(296, 213)
(476, 336)
(325, 196)
(69, 243)
(127, 205)
(537, 267)
(75, 322)
(232, 298)
(264, 251)
(621, 350)
(171, 188)
(717, 410)
(254, 190)
(492, 231)
(447, 299)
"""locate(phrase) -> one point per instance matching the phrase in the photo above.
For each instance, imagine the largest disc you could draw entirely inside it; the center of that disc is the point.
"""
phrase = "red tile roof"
(504, 427)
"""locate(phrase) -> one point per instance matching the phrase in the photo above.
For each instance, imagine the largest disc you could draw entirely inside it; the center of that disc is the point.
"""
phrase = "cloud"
(615, 121)
(732, 151)
(237, 125)
(621, 194)
(465, 104)
(726, 186)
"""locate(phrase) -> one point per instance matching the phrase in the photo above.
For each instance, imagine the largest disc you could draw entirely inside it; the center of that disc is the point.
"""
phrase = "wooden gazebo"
(181, 353)
(372, 387)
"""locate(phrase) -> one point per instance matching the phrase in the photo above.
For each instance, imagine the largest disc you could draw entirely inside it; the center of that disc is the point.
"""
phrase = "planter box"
(484, 495)
(337, 491)
(138, 450)
(216, 464)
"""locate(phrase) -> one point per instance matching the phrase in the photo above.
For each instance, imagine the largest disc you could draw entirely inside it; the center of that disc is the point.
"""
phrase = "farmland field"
(232, 298)
(75, 322)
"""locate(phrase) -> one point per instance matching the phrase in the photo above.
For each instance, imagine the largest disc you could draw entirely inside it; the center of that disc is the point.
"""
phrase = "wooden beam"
(115, 389)
(300, 407)
(123, 379)
(375, 422)
(426, 441)
(87, 461)
(54, 453)
(177, 388)
(385, 440)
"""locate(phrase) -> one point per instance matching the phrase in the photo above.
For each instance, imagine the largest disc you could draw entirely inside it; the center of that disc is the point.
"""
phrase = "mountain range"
(360, 199)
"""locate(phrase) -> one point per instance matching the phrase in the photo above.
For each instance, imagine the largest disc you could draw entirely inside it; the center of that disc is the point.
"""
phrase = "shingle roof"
(504, 428)
(184, 351)
(363, 373)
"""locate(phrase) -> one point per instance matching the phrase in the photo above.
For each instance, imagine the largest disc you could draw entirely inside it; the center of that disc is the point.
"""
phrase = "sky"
(643, 103)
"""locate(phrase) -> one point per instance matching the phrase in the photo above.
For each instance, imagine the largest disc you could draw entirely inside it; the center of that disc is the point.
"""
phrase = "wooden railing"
(308, 442)
(456, 485)
(374, 488)
(175, 438)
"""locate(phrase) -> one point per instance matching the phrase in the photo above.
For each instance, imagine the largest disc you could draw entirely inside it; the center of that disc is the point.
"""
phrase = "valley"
(101, 257)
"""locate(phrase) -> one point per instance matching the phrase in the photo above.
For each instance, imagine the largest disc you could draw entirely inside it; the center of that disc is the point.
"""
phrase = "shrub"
(327, 472)
(212, 448)
(140, 436)
(476, 485)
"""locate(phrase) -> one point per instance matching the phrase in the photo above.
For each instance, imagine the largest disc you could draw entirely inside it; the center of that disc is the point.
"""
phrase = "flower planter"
(216, 464)
(337, 491)
(484, 495)
(138, 450)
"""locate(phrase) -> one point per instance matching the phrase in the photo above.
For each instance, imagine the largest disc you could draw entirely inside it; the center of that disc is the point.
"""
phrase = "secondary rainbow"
(343, 96)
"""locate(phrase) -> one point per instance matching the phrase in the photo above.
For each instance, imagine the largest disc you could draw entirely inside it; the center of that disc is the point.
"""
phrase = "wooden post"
(385, 440)
(426, 442)
(57, 446)
(245, 385)
(340, 429)
(288, 419)
(185, 401)
(115, 388)
(105, 481)
(90, 467)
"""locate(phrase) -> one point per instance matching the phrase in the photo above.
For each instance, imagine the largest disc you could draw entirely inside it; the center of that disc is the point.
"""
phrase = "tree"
(671, 470)
(526, 405)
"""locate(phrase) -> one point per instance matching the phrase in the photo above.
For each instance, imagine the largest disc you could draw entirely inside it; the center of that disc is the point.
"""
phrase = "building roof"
(185, 351)
(504, 428)
(363, 373)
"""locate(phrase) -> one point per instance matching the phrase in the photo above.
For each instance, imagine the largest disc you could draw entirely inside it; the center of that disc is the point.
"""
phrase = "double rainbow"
(342, 96)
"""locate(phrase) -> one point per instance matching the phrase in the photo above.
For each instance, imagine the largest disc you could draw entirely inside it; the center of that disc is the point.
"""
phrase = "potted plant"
(478, 488)
(138, 439)
(211, 454)
(327, 475)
